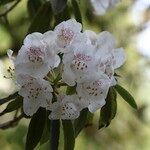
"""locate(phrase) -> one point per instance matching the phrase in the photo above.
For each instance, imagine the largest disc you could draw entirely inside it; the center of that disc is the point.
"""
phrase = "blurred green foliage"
(130, 129)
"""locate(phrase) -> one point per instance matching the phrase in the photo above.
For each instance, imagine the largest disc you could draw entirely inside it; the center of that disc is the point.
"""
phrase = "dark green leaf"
(14, 105)
(64, 15)
(35, 129)
(33, 6)
(108, 111)
(69, 137)
(7, 99)
(55, 131)
(126, 96)
(46, 133)
(77, 11)
(3, 2)
(117, 75)
(80, 122)
(71, 90)
(89, 121)
(41, 21)
(58, 5)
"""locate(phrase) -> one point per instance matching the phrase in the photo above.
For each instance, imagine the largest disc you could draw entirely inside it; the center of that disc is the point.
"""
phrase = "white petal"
(68, 76)
(21, 57)
(34, 39)
(119, 57)
(94, 89)
(80, 38)
(113, 81)
(37, 71)
(64, 108)
(36, 93)
(106, 42)
(49, 37)
(10, 53)
(67, 32)
(95, 105)
(54, 61)
(30, 107)
(92, 36)
(33, 61)
(71, 23)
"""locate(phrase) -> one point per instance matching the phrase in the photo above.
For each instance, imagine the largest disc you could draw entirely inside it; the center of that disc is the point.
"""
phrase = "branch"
(8, 10)
(11, 123)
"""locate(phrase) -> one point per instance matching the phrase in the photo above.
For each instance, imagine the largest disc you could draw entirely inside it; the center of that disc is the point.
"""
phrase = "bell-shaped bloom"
(101, 6)
(35, 57)
(66, 107)
(78, 63)
(67, 33)
(36, 92)
(94, 91)
(107, 56)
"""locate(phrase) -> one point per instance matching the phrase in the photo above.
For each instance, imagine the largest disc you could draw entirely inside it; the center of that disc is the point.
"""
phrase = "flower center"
(80, 61)
(34, 93)
(94, 89)
(66, 36)
(35, 55)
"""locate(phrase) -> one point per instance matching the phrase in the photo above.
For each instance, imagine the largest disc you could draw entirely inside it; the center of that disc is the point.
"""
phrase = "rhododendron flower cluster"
(50, 63)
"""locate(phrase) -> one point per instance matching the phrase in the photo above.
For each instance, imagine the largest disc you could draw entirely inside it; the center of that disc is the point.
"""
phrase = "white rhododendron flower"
(88, 62)
(66, 107)
(67, 33)
(104, 40)
(78, 64)
(36, 93)
(35, 57)
(101, 6)
(107, 56)
(94, 90)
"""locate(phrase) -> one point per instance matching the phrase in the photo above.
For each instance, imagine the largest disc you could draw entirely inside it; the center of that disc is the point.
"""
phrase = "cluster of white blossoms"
(101, 6)
(84, 60)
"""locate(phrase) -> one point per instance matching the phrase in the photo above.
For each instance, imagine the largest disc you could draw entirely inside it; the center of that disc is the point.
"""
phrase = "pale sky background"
(143, 38)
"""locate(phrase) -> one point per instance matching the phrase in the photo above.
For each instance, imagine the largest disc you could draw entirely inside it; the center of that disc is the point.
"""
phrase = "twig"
(8, 10)
(11, 123)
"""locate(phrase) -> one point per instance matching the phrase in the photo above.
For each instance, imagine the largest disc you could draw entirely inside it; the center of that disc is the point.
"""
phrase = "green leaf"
(55, 132)
(46, 133)
(80, 122)
(58, 78)
(64, 15)
(7, 99)
(89, 121)
(71, 90)
(35, 129)
(33, 6)
(3, 2)
(117, 75)
(126, 96)
(14, 105)
(69, 137)
(58, 5)
(77, 11)
(41, 21)
(108, 111)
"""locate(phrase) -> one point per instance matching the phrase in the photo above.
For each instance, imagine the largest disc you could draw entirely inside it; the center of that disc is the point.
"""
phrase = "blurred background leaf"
(128, 127)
